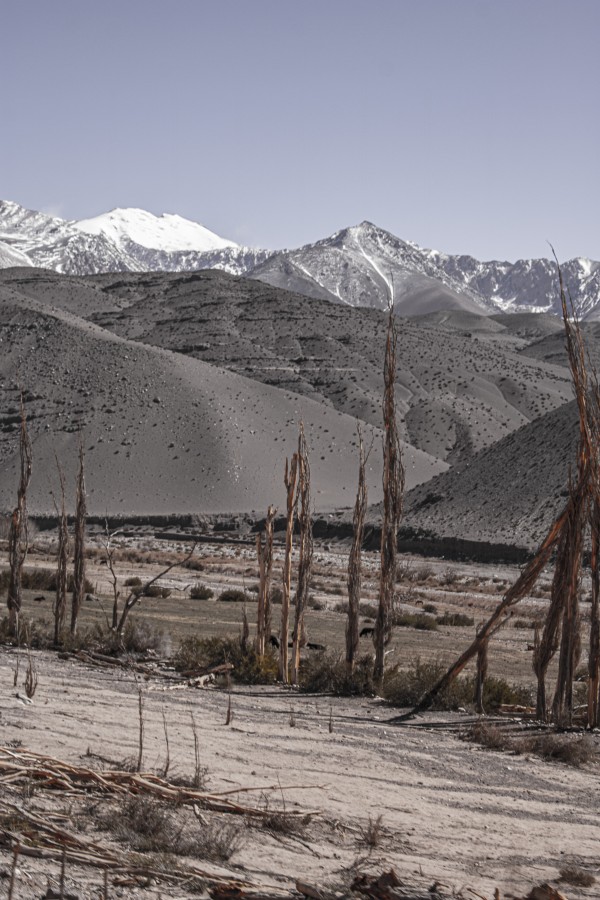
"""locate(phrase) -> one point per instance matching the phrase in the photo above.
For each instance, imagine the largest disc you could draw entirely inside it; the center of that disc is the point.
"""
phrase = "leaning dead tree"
(565, 539)
(136, 593)
(79, 542)
(306, 553)
(18, 538)
(290, 480)
(59, 607)
(354, 559)
(264, 552)
(393, 490)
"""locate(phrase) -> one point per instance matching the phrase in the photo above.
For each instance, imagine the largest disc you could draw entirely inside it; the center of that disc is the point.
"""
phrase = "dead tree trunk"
(79, 543)
(62, 558)
(546, 643)
(264, 552)
(290, 480)
(570, 644)
(306, 554)
(354, 560)
(393, 489)
(18, 542)
(481, 675)
(134, 595)
(594, 657)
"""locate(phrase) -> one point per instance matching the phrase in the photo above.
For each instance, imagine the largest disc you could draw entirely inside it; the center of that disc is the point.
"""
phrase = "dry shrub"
(234, 595)
(368, 610)
(577, 876)
(487, 735)
(573, 751)
(248, 667)
(522, 623)
(326, 673)
(455, 619)
(134, 581)
(139, 636)
(276, 596)
(373, 832)
(317, 605)
(201, 592)
(405, 687)
(41, 580)
(420, 621)
(147, 824)
(423, 573)
(430, 608)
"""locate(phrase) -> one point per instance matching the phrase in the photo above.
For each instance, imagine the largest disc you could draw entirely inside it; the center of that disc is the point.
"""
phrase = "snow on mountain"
(169, 233)
(357, 266)
(360, 265)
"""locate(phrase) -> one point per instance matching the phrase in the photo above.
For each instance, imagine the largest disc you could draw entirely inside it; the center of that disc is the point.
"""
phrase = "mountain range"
(357, 266)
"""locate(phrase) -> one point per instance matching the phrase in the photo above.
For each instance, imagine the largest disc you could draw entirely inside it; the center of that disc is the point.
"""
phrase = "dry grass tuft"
(577, 876)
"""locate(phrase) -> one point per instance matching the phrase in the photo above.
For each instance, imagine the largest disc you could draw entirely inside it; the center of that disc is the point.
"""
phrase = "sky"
(469, 126)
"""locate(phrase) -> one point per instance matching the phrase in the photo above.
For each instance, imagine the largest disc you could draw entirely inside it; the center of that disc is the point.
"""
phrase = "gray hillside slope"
(508, 493)
(164, 434)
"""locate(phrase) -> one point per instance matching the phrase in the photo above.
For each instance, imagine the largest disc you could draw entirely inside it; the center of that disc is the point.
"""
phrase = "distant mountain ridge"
(357, 266)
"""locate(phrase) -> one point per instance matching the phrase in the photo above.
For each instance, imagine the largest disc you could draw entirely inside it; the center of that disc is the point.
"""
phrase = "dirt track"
(450, 811)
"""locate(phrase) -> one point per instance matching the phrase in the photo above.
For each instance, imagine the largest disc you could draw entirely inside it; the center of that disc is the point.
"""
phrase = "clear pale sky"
(470, 126)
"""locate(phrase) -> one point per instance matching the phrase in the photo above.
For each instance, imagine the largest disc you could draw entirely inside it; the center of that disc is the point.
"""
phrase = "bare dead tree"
(109, 549)
(135, 594)
(79, 542)
(481, 675)
(18, 539)
(306, 553)
(566, 536)
(355, 558)
(290, 480)
(59, 608)
(264, 552)
(393, 491)
(594, 652)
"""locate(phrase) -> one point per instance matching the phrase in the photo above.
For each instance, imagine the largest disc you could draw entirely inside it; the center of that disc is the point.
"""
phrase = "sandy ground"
(450, 811)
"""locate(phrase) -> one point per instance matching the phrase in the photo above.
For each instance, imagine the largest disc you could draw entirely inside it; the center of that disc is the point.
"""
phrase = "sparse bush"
(372, 834)
(326, 673)
(315, 604)
(573, 751)
(522, 623)
(420, 621)
(455, 619)
(430, 608)
(368, 610)
(449, 576)
(248, 668)
(276, 596)
(201, 592)
(234, 595)
(405, 570)
(576, 876)
(194, 564)
(341, 607)
(423, 573)
(487, 735)
(155, 590)
(405, 687)
(134, 581)
(41, 580)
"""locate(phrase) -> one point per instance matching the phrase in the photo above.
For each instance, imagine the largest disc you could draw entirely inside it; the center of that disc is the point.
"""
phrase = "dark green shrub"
(430, 608)
(234, 595)
(248, 667)
(326, 673)
(276, 596)
(134, 581)
(405, 687)
(201, 592)
(41, 580)
(420, 621)
(455, 619)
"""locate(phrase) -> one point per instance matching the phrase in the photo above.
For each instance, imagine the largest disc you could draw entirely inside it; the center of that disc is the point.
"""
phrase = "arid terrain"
(354, 789)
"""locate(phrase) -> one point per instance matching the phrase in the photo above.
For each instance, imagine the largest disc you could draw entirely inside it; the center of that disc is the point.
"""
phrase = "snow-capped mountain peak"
(169, 233)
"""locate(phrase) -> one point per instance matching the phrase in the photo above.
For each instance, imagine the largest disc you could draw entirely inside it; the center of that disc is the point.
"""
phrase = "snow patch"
(167, 232)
